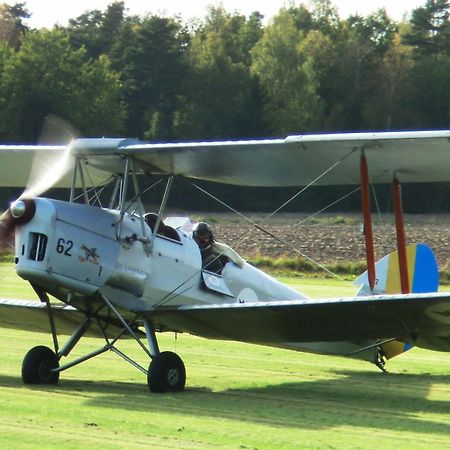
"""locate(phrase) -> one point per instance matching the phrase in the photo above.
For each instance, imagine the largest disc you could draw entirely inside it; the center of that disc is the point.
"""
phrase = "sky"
(46, 13)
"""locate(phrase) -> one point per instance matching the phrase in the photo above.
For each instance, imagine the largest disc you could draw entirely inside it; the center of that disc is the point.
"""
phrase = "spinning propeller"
(46, 170)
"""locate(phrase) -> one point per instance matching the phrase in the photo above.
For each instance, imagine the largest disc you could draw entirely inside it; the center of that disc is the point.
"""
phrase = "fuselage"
(75, 251)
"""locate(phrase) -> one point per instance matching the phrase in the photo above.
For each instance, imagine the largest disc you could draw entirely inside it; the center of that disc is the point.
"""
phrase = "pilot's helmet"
(202, 233)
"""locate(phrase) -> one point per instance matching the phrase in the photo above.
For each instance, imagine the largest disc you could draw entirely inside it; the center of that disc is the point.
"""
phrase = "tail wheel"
(166, 373)
(38, 364)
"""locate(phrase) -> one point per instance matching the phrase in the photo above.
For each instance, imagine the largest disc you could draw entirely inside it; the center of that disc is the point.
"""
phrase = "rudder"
(423, 276)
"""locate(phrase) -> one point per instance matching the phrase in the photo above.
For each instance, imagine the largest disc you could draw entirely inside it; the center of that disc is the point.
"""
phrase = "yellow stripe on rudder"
(393, 276)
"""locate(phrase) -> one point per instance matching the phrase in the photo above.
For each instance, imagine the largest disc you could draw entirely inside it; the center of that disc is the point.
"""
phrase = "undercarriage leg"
(76, 336)
(43, 297)
(380, 361)
(151, 338)
(166, 372)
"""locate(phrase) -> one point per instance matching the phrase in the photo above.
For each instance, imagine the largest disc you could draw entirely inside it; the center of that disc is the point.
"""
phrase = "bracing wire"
(105, 183)
(101, 186)
(301, 191)
(310, 184)
(375, 198)
(328, 206)
(266, 231)
(140, 194)
(97, 194)
(168, 296)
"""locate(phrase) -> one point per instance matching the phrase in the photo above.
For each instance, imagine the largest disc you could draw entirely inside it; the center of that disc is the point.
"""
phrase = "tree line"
(226, 76)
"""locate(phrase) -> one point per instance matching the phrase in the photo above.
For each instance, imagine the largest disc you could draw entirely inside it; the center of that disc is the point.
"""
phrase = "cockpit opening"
(163, 230)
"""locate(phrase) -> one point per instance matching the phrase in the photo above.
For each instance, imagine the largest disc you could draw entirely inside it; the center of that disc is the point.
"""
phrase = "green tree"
(149, 54)
(429, 37)
(221, 97)
(430, 97)
(390, 107)
(47, 76)
(360, 45)
(325, 17)
(430, 28)
(285, 67)
(5, 54)
(96, 30)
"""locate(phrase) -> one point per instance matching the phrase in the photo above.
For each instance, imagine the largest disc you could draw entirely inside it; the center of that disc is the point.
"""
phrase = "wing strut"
(365, 201)
(162, 207)
(401, 238)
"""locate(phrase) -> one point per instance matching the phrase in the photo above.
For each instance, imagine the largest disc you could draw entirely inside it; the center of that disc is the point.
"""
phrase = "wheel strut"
(380, 360)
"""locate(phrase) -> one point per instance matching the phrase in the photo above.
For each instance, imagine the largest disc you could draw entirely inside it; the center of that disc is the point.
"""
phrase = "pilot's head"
(202, 234)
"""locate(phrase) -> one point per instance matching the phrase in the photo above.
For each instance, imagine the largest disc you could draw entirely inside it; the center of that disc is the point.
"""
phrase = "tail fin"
(423, 277)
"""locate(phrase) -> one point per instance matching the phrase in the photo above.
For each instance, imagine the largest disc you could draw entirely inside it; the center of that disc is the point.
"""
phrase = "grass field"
(237, 396)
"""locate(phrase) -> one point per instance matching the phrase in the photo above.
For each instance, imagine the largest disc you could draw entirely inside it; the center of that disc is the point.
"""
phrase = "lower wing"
(419, 319)
(33, 316)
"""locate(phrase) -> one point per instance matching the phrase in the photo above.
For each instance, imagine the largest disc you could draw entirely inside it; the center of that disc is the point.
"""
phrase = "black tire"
(166, 373)
(37, 365)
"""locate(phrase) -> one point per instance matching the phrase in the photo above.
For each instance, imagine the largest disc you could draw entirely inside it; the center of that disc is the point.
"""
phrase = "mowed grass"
(237, 396)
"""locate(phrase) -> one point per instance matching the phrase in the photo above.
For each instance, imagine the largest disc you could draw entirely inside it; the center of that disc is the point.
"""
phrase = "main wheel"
(37, 366)
(166, 373)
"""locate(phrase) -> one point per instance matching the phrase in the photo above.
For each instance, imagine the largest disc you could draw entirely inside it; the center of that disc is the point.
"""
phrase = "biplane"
(114, 274)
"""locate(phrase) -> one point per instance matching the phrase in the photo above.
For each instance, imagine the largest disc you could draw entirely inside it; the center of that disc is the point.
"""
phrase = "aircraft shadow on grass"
(363, 399)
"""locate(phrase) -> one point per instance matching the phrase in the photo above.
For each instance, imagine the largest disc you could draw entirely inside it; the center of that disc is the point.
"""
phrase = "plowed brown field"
(329, 238)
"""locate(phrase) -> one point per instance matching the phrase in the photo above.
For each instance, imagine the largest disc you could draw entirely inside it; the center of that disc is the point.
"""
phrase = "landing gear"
(380, 360)
(166, 373)
(38, 366)
(41, 365)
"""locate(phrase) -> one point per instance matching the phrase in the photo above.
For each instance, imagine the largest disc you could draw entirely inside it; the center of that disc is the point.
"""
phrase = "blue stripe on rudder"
(426, 273)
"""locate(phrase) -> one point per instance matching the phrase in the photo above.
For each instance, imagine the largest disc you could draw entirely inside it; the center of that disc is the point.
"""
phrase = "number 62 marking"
(64, 247)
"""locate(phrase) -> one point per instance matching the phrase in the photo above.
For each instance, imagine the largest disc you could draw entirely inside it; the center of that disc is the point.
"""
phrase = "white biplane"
(117, 275)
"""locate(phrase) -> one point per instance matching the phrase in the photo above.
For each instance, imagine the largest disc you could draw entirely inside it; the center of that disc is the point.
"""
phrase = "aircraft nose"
(22, 211)
(17, 208)
(18, 213)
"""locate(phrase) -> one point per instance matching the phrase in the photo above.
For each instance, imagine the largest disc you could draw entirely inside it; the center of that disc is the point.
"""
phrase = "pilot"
(214, 254)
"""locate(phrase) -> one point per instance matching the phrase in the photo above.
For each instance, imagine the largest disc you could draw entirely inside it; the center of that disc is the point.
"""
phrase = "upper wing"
(16, 163)
(299, 160)
(416, 156)
(421, 319)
